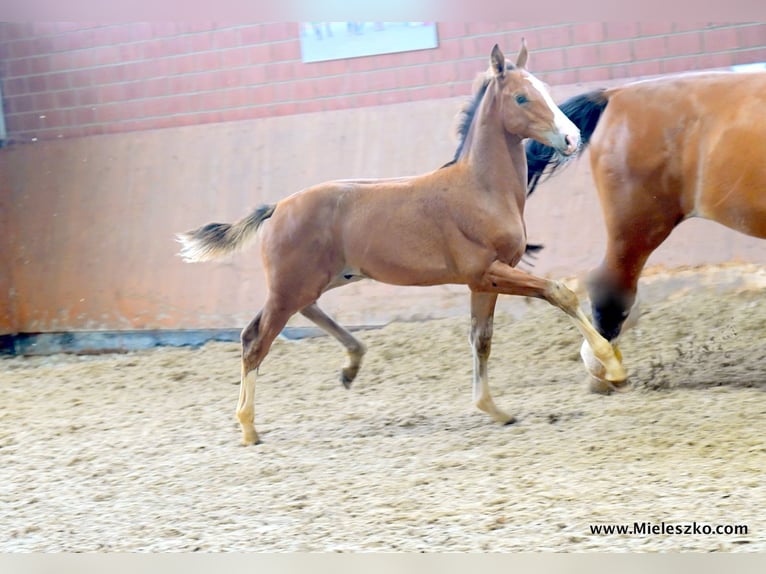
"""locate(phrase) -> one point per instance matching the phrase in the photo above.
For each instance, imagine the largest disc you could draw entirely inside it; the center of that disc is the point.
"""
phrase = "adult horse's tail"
(216, 240)
(584, 111)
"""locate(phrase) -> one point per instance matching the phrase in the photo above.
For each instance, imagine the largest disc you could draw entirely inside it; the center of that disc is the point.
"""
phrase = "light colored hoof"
(604, 387)
(249, 437)
(615, 374)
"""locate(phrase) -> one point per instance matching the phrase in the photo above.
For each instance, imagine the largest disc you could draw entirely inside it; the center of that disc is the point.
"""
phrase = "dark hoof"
(510, 421)
(346, 380)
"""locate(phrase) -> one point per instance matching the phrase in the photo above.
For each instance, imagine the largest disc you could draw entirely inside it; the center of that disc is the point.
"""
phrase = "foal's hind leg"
(482, 313)
(257, 338)
(355, 348)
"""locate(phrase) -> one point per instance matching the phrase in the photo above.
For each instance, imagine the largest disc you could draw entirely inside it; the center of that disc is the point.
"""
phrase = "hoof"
(604, 387)
(347, 376)
(511, 420)
(250, 438)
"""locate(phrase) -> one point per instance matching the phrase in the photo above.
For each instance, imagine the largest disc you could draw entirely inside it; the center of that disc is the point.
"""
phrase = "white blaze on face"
(568, 135)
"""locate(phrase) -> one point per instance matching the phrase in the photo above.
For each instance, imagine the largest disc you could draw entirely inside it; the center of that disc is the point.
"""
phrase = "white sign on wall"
(321, 41)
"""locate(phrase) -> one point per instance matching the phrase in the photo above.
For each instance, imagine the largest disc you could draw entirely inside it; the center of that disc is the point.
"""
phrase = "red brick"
(621, 30)
(284, 92)
(154, 68)
(164, 28)
(649, 48)
(111, 93)
(235, 58)
(136, 90)
(280, 31)
(82, 116)
(201, 42)
(547, 60)
(222, 39)
(579, 56)
(259, 54)
(649, 68)
(82, 39)
(449, 50)
(176, 46)
(430, 93)
(440, 73)
(411, 76)
(689, 26)
(252, 34)
(552, 37)
(82, 59)
(154, 87)
(285, 51)
(284, 109)
(559, 78)
(469, 69)
(252, 75)
(682, 44)
(720, 39)
(130, 52)
(720, 60)
(366, 100)
(43, 101)
(39, 65)
(476, 47)
(392, 97)
(22, 49)
(615, 53)
(655, 28)
(592, 74)
(448, 30)
(676, 65)
(65, 99)
(87, 96)
(303, 90)
(752, 36)
(749, 56)
(36, 84)
(14, 86)
(107, 55)
(308, 106)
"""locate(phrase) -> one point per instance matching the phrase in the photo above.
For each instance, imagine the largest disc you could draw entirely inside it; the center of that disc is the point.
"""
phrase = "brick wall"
(64, 80)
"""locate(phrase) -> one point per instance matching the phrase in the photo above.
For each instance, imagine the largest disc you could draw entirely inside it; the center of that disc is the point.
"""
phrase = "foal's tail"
(584, 111)
(216, 240)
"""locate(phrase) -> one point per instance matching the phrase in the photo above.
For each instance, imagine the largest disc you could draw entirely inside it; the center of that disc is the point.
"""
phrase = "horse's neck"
(498, 161)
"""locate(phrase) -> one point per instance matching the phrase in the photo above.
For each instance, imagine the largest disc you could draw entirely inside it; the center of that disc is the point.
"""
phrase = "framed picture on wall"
(321, 41)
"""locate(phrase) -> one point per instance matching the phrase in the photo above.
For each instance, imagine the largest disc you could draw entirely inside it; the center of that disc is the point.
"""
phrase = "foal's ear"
(497, 61)
(521, 59)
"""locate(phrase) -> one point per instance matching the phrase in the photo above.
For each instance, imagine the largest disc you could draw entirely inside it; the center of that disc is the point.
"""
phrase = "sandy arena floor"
(140, 451)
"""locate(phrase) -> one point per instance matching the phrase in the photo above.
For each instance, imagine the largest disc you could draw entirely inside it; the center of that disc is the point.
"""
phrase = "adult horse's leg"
(482, 313)
(502, 278)
(257, 338)
(354, 347)
(635, 228)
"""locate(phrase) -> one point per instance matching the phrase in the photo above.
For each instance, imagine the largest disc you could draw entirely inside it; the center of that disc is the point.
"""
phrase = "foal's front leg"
(482, 314)
(502, 278)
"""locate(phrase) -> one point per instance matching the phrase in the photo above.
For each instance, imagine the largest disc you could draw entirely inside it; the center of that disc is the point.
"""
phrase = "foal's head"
(525, 105)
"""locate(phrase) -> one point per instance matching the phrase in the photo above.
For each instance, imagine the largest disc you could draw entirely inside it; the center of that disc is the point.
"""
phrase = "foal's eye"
(521, 99)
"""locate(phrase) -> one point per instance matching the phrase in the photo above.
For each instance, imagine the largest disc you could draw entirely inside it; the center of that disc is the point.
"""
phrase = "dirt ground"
(140, 451)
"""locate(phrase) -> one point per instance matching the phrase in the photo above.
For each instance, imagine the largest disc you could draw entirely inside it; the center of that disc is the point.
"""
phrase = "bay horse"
(662, 151)
(459, 224)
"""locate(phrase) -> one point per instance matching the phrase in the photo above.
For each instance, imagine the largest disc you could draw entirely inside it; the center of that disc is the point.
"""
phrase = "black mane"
(465, 118)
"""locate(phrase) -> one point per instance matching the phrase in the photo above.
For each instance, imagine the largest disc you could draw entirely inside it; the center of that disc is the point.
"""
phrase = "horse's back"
(695, 142)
